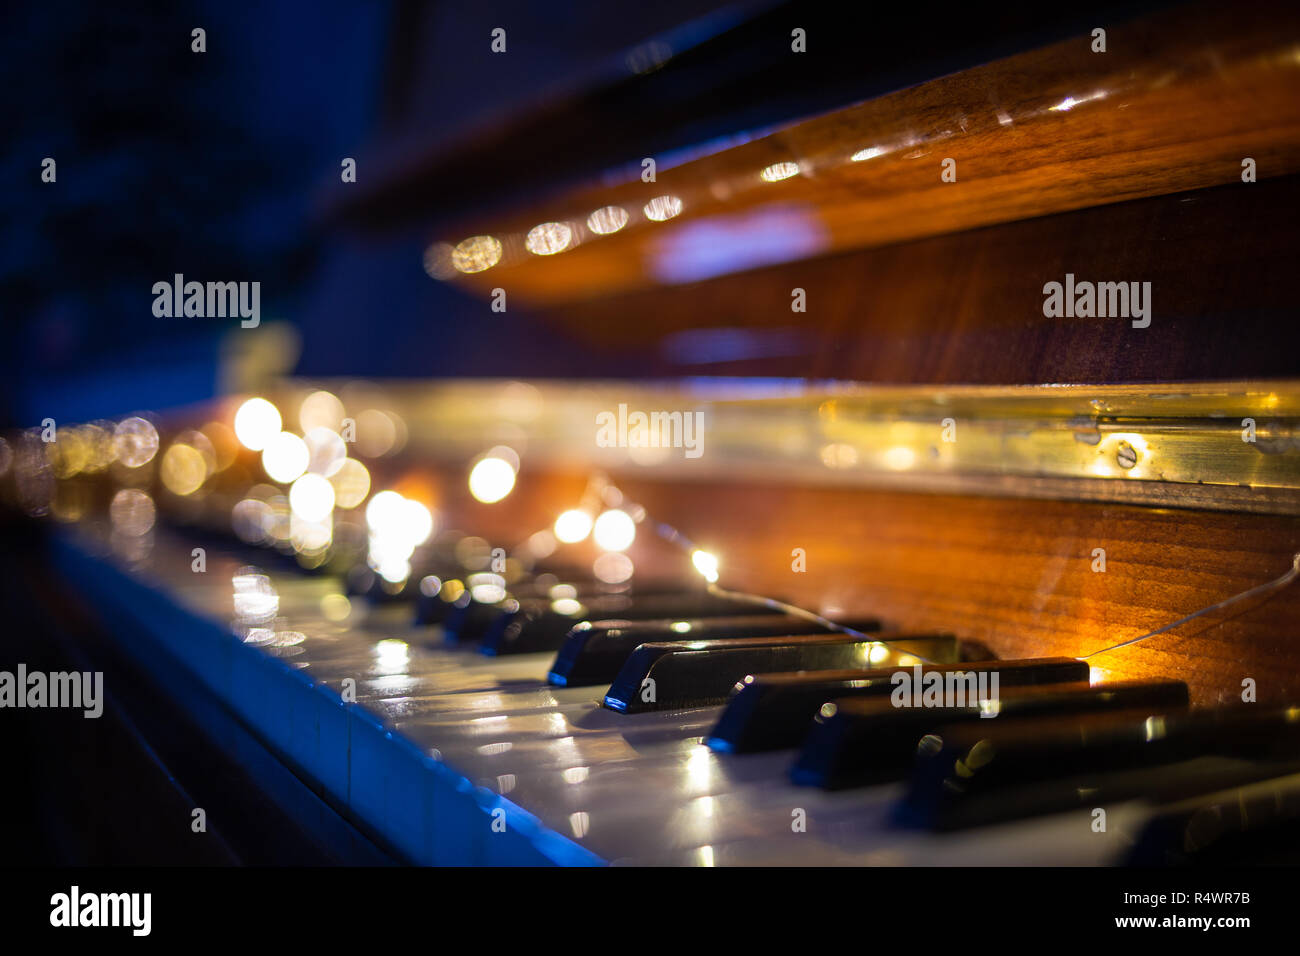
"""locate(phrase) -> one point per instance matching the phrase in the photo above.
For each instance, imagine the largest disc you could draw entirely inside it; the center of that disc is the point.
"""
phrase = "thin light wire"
(1265, 588)
(675, 537)
(807, 615)
(786, 609)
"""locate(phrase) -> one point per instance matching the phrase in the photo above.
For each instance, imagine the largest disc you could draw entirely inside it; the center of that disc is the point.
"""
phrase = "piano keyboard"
(762, 749)
(960, 341)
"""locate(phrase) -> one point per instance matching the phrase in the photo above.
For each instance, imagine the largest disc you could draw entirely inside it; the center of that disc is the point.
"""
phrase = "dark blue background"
(218, 165)
(223, 165)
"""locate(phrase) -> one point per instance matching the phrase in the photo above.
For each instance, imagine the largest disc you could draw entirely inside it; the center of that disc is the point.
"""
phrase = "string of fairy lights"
(399, 525)
(322, 478)
(577, 523)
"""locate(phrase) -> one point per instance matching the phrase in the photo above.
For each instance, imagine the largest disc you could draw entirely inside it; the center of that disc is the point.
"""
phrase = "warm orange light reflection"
(607, 220)
(476, 254)
(548, 238)
(779, 171)
(256, 423)
(183, 469)
(663, 208)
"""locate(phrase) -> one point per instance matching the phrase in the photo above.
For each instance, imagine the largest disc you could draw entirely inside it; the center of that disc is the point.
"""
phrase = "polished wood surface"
(968, 307)
(717, 77)
(1015, 576)
(1176, 102)
(1018, 576)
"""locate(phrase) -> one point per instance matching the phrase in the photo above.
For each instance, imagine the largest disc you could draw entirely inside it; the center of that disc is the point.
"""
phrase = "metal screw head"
(1126, 455)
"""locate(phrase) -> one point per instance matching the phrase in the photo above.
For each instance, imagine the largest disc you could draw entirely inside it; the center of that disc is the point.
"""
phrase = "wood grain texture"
(1176, 103)
(441, 159)
(1016, 575)
(1013, 575)
(968, 307)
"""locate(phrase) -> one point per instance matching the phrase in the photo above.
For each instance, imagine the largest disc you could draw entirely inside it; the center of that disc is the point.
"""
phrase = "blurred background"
(225, 165)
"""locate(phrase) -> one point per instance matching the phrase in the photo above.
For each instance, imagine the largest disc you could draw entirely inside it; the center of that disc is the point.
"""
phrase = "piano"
(912, 480)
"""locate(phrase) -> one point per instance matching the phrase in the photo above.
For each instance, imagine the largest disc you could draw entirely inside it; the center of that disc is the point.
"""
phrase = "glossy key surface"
(987, 771)
(539, 626)
(683, 674)
(852, 742)
(771, 711)
(594, 651)
(440, 739)
(1258, 823)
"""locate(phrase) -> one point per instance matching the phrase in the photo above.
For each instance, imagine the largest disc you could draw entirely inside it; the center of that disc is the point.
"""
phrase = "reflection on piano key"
(595, 651)
(854, 742)
(998, 770)
(1255, 824)
(684, 674)
(473, 620)
(639, 787)
(542, 626)
(771, 711)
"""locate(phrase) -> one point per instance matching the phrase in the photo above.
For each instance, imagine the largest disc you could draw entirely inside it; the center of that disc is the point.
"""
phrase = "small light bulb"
(256, 423)
(384, 513)
(706, 564)
(615, 530)
(573, 526)
(285, 457)
(491, 480)
(311, 497)
(418, 521)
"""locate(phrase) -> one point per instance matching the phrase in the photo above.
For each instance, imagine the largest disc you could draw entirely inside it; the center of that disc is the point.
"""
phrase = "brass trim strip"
(1181, 445)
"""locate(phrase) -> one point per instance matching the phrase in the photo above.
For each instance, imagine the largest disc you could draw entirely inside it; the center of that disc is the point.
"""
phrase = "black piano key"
(681, 674)
(678, 605)
(530, 626)
(472, 621)
(463, 618)
(594, 651)
(772, 711)
(539, 626)
(852, 742)
(1160, 783)
(434, 562)
(439, 597)
(433, 609)
(437, 606)
(452, 604)
(995, 770)
(1254, 824)
(459, 603)
(362, 582)
(543, 577)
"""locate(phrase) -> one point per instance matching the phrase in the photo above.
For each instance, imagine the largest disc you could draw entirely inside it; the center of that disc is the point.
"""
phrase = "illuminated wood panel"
(967, 307)
(1014, 575)
(1176, 103)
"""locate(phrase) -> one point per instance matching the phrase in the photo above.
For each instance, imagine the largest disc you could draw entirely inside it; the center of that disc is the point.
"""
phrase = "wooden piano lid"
(1121, 165)
(1176, 102)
